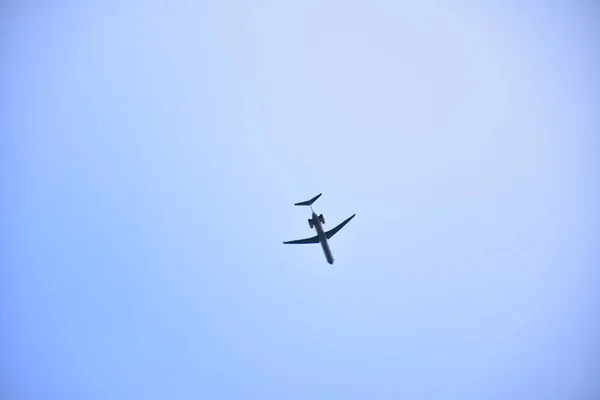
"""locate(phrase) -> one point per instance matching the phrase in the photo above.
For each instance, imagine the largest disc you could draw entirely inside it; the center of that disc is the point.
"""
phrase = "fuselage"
(322, 237)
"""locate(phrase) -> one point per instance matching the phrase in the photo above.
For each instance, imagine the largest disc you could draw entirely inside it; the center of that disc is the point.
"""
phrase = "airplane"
(322, 236)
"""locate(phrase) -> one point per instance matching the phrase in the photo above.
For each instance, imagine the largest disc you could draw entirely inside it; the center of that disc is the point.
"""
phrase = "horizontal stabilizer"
(309, 202)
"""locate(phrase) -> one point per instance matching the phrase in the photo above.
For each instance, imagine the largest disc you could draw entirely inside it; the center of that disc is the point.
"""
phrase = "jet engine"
(322, 218)
(310, 223)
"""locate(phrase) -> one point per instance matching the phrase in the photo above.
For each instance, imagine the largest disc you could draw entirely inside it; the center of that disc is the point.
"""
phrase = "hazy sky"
(151, 154)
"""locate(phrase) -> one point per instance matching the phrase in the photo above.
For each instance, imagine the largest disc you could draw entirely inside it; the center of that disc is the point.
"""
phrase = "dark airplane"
(322, 236)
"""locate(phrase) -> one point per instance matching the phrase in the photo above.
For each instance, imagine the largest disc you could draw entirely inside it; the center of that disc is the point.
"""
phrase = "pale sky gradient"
(151, 153)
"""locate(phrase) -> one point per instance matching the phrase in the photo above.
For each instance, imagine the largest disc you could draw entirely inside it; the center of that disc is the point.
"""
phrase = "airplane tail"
(309, 202)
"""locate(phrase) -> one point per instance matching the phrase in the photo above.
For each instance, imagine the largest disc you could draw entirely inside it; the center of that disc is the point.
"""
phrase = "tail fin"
(309, 202)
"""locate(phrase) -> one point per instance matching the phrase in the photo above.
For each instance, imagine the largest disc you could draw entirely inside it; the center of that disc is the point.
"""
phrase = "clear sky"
(151, 154)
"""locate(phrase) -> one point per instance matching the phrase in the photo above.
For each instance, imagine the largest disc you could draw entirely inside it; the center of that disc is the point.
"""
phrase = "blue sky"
(151, 153)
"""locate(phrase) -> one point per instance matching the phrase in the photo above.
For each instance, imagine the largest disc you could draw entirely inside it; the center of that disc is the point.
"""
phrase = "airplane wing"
(314, 239)
(332, 232)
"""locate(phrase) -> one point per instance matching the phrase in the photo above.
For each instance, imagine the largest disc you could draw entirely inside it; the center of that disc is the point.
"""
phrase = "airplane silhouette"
(322, 236)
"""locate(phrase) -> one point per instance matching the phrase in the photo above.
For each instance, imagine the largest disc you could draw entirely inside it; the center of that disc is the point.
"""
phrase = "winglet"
(309, 202)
